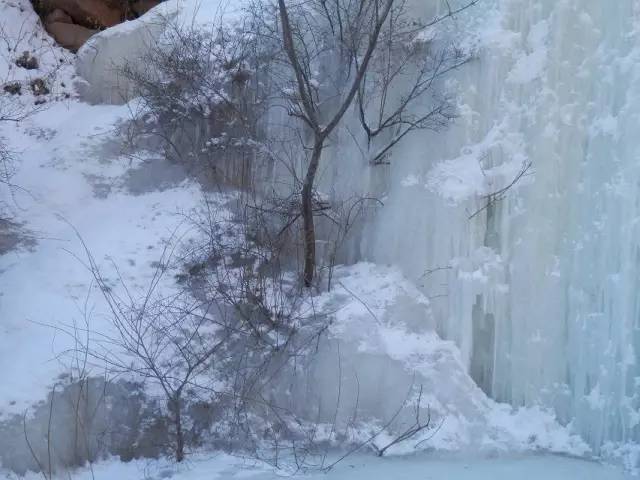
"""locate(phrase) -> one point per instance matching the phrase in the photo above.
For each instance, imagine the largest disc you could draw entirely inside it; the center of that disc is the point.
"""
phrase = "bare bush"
(167, 339)
(222, 335)
(199, 100)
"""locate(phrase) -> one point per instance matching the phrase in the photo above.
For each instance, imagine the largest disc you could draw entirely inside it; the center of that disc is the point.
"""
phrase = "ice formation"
(540, 290)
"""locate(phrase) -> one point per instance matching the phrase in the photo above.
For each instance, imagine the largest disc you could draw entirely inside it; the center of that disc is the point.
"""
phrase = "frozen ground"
(360, 467)
(71, 174)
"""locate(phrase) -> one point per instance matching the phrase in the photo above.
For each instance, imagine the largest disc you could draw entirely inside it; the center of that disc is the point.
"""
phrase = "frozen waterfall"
(540, 290)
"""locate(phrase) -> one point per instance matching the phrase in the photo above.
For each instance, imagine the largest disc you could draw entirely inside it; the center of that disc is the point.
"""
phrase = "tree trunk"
(309, 231)
(177, 412)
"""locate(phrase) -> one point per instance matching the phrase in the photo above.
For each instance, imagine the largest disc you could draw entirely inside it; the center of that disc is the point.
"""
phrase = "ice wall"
(541, 290)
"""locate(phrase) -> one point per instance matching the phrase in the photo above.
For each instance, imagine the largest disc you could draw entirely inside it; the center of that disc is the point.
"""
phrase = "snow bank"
(382, 351)
(104, 55)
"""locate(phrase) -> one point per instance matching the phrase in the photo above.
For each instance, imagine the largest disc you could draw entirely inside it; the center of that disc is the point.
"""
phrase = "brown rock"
(27, 61)
(39, 87)
(140, 7)
(93, 14)
(69, 35)
(58, 15)
(14, 88)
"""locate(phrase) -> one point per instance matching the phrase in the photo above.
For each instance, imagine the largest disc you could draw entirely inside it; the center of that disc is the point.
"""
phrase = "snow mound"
(101, 59)
(389, 360)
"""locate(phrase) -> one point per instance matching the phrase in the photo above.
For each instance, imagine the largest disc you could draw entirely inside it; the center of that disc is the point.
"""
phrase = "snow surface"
(101, 58)
(360, 467)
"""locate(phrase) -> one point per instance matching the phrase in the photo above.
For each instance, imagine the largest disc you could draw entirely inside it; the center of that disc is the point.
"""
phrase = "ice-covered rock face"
(540, 291)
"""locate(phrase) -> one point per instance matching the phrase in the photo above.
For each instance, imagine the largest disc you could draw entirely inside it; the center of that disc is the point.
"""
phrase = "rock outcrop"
(72, 22)
(69, 35)
(94, 14)
(100, 62)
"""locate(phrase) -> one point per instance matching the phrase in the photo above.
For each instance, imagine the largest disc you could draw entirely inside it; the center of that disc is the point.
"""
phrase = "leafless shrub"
(167, 339)
(200, 100)
(233, 323)
(408, 433)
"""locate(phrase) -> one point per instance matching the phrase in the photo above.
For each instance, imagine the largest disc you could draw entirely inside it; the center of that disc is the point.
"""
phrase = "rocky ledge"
(72, 22)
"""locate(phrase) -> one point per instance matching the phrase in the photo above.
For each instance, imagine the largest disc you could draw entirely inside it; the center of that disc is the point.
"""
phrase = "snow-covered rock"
(101, 59)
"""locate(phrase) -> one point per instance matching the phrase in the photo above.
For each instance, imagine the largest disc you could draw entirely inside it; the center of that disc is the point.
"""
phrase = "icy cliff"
(540, 289)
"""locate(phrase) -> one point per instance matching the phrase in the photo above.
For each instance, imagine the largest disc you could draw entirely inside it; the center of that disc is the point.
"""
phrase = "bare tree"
(376, 47)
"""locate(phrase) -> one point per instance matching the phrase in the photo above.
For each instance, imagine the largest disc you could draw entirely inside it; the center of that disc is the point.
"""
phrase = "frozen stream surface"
(423, 467)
